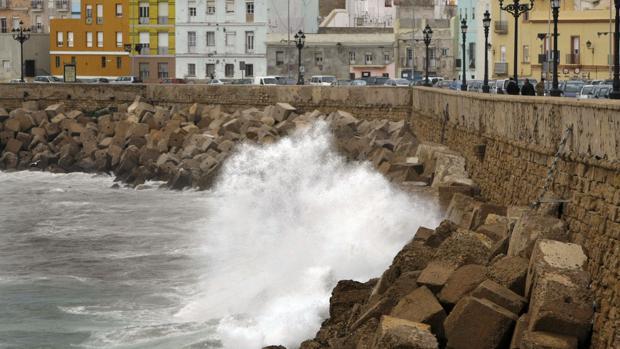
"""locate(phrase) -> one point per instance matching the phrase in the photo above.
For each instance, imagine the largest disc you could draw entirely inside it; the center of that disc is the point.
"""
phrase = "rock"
(546, 340)
(128, 161)
(421, 306)
(54, 109)
(447, 191)
(25, 122)
(9, 160)
(74, 114)
(520, 328)
(182, 179)
(510, 272)
(30, 105)
(450, 169)
(495, 231)
(500, 295)
(397, 289)
(530, 228)
(12, 125)
(479, 324)
(346, 294)
(464, 247)
(394, 333)
(275, 347)
(426, 155)
(461, 210)
(3, 115)
(423, 234)
(282, 111)
(13, 146)
(435, 275)
(462, 281)
(442, 232)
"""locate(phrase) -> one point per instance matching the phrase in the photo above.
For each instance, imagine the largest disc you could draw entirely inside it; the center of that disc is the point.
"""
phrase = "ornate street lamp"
(555, 88)
(300, 39)
(516, 9)
(463, 45)
(615, 93)
(428, 36)
(486, 23)
(22, 35)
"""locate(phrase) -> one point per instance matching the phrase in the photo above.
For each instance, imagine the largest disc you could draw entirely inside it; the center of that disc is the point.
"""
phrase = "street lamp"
(21, 34)
(615, 93)
(555, 89)
(516, 9)
(428, 36)
(464, 32)
(300, 41)
(486, 23)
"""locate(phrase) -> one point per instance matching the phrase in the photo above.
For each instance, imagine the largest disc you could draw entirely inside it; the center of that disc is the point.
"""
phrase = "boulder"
(423, 234)
(12, 125)
(182, 179)
(479, 324)
(394, 333)
(450, 170)
(3, 114)
(500, 295)
(464, 280)
(522, 324)
(30, 105)
(546, 340)
(510, 272)
(461, 210)
(345, 295)
(14, 146)
(421, 306)
(464, 247)
(74, 114)
(9, 160)
(445, 229)
(532, 227)
(426, 155)
(54, 109)
(282, 111)
(435, 275)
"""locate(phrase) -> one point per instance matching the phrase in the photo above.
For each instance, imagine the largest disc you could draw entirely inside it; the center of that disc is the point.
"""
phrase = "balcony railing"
(162, 20)
(37, 5)
(573, 58)
(501, 27)
(144, 20)
(162, 50)
(62, 5)
(501, 68)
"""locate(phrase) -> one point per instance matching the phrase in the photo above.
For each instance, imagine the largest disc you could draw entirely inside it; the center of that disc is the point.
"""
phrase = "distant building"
(473, 12)
(93, 39)
(152, 39)
(362, 13)
(220, 37)
(36, 14)
(347, 53)
(36, 56)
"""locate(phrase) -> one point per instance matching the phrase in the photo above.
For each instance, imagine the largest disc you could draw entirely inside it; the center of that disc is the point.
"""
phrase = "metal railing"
(501, 27)
(501, 68)
(573, 58)
(144, 20)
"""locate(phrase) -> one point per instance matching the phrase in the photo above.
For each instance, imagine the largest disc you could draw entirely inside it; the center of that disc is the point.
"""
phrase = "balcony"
(501, 27)
(501, 68)
(37, 5)
(62, 5)
(4, 4)
(162, 20)
(573, 58)
(162, 51)
(144, 20)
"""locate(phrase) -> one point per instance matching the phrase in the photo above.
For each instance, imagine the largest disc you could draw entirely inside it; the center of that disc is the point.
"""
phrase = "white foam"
(286, 221)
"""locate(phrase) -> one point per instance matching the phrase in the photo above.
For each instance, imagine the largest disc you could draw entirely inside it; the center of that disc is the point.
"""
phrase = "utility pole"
(288, 41)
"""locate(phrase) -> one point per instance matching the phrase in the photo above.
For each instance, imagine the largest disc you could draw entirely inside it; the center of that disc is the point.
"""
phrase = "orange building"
(94, 40)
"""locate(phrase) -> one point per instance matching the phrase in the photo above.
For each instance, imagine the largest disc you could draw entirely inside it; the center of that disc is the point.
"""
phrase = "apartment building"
(226, 38)
(94, 39)
(36, 14)
(473, 13)
(152, 38)
(12, 12)
(362, 13)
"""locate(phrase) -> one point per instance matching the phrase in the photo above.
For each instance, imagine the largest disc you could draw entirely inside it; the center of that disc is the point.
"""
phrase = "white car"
(397, 82)
(322, 80)
(215, 82)
(46, 79)
(265, 80)
(126, 80)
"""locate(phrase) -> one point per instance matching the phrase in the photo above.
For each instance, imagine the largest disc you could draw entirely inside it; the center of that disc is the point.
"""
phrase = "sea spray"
(285, 222)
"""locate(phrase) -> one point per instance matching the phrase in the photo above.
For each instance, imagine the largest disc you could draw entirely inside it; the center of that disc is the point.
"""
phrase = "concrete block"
(532, 227)
(464, 280)
(442, 232)
(520, 328)
(435, 275)
(479, 324)
(465, 247)
(394, 333)
(546, 340)
(510, 272)
(421, 306)
(500, 295)
(423, 234)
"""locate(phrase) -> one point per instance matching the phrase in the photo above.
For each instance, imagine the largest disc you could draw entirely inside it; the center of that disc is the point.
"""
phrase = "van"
(322, 80)
(265, 80)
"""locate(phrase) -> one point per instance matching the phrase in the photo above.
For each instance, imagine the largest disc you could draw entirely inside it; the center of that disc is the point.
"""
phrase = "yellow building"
(584, 40)
(151, 27)
(94, 40)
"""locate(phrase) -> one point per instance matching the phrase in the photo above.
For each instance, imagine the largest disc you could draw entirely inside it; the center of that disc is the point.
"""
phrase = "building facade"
(473, 12)
(93, 39)
(585, 44)
(351, 54)
(226, 38)
(152, 39)
(36, 56)
(12, 12)
(36, 14)
(362, 13)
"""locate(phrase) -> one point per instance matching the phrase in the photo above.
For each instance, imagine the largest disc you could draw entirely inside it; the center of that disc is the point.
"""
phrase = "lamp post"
(428, 36)
(555, 88)
(516, 9)
(615, 93)
(300, 38)
(486, 23)
(463, 44)
(22, 35)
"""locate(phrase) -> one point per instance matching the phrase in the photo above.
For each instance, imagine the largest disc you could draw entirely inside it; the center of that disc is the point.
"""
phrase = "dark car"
(572, 88)
(376, 80)
(173, 81)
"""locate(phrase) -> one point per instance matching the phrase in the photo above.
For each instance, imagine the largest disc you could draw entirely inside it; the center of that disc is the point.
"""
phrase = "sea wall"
(510, 143)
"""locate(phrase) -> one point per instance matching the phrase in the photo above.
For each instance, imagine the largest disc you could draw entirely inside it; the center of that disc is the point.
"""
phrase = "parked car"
(94, 81)
(502, 84)
(265, 80)
(341, 83)
(586, 92)
(359, 83)
(15, 81)
(46, 79)
(492, 86)
(602, 91)
(445, 84)
(474, 86)
(322, 80)
(375, 80)
(397, 82)
(173, 81)
(572, 88)
(282, 80)
(215, 82)
(126, 80)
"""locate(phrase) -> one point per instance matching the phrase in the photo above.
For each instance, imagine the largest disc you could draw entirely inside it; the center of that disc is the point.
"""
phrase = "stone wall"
(510, 143)
(365, 103)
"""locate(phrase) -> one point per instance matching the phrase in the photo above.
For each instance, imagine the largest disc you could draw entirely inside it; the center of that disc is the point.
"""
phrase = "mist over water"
(285, 223)
(248, 264)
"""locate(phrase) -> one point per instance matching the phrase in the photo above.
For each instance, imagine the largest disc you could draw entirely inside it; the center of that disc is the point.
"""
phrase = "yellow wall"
(573, 21)
(153, 27)
(89, 59)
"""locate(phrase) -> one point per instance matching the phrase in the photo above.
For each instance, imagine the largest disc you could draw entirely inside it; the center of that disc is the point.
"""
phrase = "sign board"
(302, 69)
(241, 65)
(70, 74)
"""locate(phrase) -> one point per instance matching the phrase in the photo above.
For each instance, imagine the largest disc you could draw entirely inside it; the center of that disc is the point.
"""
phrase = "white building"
(218, 37)
(362, 13)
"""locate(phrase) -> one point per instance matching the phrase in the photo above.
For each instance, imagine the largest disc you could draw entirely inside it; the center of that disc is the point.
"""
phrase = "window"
(70, 39)
(119, 10)
(89, 39)
(6, 65)
(249, 41)
(103, 62)
(249, 70)
(99, 13)
(162, 43)
(143, 13)
(191, 8)
(388, 3)
(210, 70)
(191, 42)
(57, 61)
(249, 7)
(351, 57)
(99, 39)
(386, 58)
(3, 26)
(230, 6)
(444, 51)
(119, 62)
(318, 58)
(73, 60)
(526, 54)
(230, 38)
(162, 70)
(89, 12)
(119, 39)
(368, 58)
(210, 7)
(210, 38)
(502, 54)
(229, 70)
(472, 55)
(143, 71)
(279, 57)
(162, 13)
(60, 39)
(191, 69)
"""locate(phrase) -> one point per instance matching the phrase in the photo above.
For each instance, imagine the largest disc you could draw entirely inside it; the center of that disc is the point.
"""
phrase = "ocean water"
(250, 263)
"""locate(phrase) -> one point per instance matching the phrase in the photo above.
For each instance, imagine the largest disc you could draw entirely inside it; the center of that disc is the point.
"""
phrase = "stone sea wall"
(510, 143)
